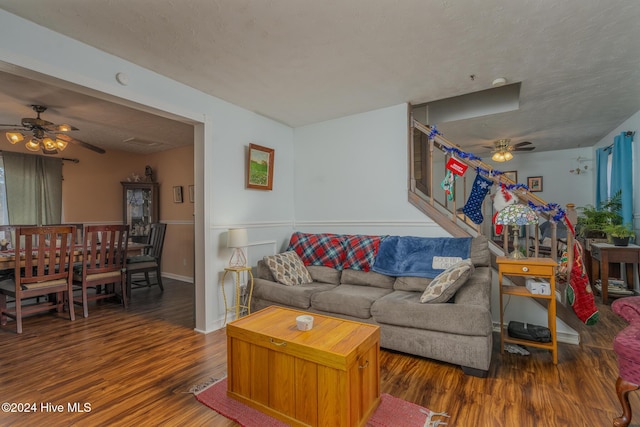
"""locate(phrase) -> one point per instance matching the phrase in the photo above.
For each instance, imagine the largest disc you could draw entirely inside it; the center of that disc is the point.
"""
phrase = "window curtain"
(602, 175)
(34, 188)
(622, 173)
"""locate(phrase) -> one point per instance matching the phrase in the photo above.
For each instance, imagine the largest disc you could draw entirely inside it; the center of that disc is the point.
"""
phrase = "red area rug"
(392, 412)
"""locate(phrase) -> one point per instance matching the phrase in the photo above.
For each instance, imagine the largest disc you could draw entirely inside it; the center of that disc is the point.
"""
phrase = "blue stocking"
(479, 190)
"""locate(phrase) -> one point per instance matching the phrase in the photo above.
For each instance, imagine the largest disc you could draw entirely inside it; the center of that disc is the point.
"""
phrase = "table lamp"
(517, 215)
(237, 239)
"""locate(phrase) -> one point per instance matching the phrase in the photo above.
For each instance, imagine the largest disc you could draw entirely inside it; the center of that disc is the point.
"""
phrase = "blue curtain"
(622, 173)
(602, 184)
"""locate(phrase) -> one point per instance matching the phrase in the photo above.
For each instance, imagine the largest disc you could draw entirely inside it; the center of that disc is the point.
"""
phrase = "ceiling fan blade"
(13, 126)
(60, 128)
(524, 149)
(523, 143)
(37, 122)
(67, 138)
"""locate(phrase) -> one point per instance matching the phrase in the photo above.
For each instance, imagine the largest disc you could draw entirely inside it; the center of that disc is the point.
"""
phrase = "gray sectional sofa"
(458, 331)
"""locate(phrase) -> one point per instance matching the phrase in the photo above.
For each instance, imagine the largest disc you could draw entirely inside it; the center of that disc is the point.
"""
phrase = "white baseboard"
(178, 277)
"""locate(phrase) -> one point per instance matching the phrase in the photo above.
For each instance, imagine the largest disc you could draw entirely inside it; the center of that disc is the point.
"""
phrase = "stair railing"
(440, 146)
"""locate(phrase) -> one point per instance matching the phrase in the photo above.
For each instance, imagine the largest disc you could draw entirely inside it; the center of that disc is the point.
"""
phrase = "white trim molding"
(265, 224)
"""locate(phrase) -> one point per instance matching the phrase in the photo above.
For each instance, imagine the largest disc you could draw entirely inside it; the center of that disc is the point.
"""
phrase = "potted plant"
(592, 221)
(620, 233)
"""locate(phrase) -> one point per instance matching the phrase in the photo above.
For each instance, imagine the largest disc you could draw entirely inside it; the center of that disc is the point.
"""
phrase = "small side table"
(529, 267)
(238, 304)
(604, 253)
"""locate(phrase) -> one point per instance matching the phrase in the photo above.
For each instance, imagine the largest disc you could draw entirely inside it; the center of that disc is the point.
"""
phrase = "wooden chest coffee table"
(328, 376)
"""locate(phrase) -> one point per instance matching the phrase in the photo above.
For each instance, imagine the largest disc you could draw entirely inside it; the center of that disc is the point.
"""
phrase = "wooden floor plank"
(135, 367)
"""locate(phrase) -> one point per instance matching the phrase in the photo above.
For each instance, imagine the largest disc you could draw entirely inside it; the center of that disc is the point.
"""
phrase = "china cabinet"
(140, 208)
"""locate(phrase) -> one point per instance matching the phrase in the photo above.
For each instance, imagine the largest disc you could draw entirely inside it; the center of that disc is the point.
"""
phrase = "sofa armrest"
(628, 308)
(477, 289)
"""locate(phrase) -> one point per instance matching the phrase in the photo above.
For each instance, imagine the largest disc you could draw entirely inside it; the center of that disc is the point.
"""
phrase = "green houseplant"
(592, 221)
(620, 233)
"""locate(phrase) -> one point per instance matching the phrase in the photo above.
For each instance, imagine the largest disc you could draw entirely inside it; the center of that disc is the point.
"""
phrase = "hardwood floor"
(135, 367)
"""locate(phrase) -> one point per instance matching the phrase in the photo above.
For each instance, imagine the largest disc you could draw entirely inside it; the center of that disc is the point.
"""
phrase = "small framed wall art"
(177, 194)
(534, 183)
(260, 167)
(192, 193)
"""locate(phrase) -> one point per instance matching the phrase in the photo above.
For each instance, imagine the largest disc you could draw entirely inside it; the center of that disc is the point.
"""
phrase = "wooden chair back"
(7, 232)
(104, 248)
(156, 240)
(47, 252)
(43, 266)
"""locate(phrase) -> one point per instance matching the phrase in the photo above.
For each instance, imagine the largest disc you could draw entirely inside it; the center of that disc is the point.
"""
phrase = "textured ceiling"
(302, 61)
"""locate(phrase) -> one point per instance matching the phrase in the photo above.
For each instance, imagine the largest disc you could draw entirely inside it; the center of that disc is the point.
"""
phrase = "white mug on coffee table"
(304, 322)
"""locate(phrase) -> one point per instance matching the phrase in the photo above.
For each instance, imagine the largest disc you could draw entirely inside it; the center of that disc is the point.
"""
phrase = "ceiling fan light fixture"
(43, 136)
(49, 144)
(508, 156)
(14, 137)
(498, 157)
(33, 145)
(60, 144)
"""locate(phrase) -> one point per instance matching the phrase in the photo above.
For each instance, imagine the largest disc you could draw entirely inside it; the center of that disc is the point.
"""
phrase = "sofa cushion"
(288, 269)
(351, 300)
(319, 249)
(447, 283)
(361, 251)
(411, 284)
(403, 308)
(320, 273)
(367, 278)
(293, 296)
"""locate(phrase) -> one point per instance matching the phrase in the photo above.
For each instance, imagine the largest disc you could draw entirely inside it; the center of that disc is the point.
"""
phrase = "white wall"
(351, 176)
(222, 133)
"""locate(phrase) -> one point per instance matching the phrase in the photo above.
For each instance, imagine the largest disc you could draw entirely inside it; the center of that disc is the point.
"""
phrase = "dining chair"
(7, 233)
(78, 239)
(104, 251)
(46, 270)
(149, 261)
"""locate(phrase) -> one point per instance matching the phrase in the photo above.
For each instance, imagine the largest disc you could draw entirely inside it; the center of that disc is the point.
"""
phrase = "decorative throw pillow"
(319, 249)
(287, 268)
(447, 283)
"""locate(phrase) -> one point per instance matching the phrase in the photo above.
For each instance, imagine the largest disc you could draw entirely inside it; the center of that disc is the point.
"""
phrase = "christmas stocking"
(448, 185)
(473, 207)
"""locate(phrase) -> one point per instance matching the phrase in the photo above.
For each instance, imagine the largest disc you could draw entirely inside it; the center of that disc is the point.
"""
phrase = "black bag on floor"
(527, 331)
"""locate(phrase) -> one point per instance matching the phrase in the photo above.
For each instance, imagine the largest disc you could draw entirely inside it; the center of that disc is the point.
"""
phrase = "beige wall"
(175, 168)
(92, 193)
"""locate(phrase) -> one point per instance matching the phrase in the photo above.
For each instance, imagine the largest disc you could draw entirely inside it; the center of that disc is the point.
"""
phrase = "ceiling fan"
(46, 136)
(502, 149)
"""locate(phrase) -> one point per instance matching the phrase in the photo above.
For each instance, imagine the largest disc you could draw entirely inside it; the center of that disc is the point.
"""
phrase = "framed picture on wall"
(512, 175)
(177, 194)
(260, 167)
(534, 183)
(192, 195)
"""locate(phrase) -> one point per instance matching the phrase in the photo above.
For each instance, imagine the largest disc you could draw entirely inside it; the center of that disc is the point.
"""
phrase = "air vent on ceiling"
(141, 142)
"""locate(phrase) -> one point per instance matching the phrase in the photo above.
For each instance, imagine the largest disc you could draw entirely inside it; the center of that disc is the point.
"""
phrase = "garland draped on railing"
(560, 213)
(549, 207)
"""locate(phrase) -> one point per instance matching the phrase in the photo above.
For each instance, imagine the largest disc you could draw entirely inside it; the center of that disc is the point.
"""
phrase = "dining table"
(8, 257)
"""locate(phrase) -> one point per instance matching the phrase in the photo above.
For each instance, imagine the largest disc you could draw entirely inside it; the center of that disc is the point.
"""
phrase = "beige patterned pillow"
(287, 268)
(447, 283)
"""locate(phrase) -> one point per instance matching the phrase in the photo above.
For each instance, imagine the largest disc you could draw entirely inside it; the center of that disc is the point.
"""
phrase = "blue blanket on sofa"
(414, 256)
